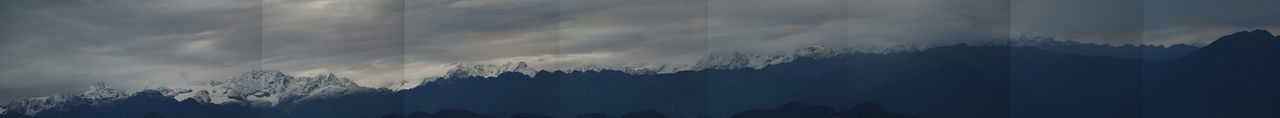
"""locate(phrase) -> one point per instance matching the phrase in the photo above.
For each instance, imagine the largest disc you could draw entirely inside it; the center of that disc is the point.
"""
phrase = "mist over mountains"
(1231, 77)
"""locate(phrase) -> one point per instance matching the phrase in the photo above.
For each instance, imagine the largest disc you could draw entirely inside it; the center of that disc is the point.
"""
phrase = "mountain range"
(1231, 77)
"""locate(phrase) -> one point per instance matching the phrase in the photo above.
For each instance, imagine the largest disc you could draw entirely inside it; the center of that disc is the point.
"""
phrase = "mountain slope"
(1235, 76)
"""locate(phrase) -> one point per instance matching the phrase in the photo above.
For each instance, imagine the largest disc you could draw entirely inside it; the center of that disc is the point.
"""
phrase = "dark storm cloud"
(63, 46)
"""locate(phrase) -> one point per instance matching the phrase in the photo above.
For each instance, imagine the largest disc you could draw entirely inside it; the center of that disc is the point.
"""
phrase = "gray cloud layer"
(62, 46)
(354, 38)
(1099, 21)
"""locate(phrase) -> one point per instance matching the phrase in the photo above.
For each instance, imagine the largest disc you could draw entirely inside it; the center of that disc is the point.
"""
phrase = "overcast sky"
(56, 46)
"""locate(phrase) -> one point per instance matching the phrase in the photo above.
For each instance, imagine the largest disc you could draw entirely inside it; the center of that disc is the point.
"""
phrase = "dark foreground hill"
(789, 110)
(1237, 76)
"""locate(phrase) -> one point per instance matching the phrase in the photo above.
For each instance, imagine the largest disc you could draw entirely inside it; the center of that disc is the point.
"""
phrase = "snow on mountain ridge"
(275, 87)
(180, 94)
(256, 88)
(31, 106)
(101, 91)
(98, 94)
(713, 61)
(488, 70)
(757, 61)
(637, 69)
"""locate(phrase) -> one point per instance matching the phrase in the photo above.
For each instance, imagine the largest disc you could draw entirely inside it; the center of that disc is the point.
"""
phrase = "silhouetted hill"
(790, 110)
(505, 95)
(644, 114)
(1235, 76)
(1251, 49)
(347, 106)
(870, 110)
(593, 115)
(458, 113)
(527, 115)
(801, 110)
(15, 116)
(449, 113)
(951, 81)
(1056, 85)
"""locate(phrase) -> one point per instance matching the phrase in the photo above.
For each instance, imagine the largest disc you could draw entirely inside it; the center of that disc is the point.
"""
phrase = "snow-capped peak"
(101, 91)
(638, 69)
(201, 97)
(97, 94)
(274, 87)
(488, 70)
(757, 61)
(258, 88)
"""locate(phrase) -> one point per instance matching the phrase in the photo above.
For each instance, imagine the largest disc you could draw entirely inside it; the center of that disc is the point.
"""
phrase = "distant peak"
(488, 70)
(522, 65)
(868, 107)
(739, 60)
(264, 73)
(330, 75)
(794, 105)
(101, 91)
(1244, 45)
(1246, 38)
(815, 48)
(1256, 32)
(275, 87)
(98, 86)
